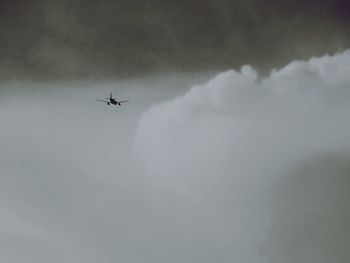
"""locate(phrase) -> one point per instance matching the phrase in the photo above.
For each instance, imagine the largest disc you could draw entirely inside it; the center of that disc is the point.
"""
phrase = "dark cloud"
(65, 39)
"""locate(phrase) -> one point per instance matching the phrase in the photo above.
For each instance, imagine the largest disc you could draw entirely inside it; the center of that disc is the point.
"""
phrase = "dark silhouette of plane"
(112, 100)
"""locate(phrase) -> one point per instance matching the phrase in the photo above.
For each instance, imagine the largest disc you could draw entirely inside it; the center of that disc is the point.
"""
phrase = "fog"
(210, 167)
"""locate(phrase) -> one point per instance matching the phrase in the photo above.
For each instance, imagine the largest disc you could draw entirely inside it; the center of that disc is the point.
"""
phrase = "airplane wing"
(103, 100)
(123, 101)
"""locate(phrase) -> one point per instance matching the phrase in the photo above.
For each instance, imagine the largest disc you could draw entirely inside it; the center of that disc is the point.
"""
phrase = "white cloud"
(225, 142)
(231, 167)
(296, 111)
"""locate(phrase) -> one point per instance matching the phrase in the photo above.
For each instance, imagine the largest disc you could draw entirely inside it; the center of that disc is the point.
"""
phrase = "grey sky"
(212, 160)
(89, 39)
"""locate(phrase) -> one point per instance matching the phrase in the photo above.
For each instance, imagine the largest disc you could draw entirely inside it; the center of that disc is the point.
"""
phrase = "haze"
(236, 167)
(234, 145)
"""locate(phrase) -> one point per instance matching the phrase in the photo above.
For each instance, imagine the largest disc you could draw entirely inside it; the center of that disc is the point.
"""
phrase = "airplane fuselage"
(113, 101)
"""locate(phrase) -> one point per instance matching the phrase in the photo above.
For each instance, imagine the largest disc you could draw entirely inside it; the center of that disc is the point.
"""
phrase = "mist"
(233, 166)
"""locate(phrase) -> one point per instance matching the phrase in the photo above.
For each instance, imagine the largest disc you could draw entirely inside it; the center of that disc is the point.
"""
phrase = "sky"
(234, 145)
(51, 39)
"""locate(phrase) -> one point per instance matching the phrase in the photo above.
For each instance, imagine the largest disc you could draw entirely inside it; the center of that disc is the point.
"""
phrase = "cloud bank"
(297, 111)
(230, 141)
(241, 168)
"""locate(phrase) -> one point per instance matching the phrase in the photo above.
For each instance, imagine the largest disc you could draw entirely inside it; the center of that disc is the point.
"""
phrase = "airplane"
(112, 100)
